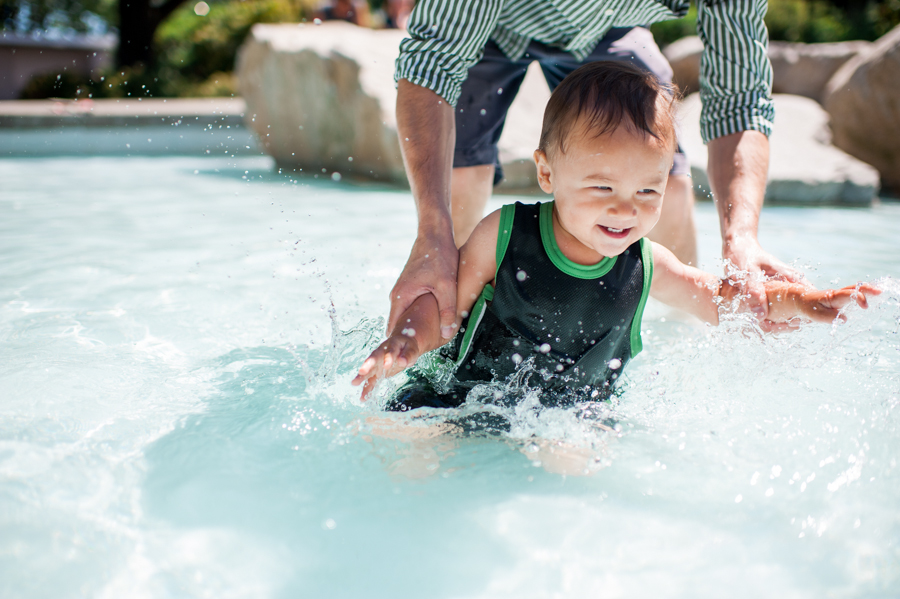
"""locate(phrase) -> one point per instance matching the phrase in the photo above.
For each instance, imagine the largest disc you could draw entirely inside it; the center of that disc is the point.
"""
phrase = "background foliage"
(195, 54)
(809, 21)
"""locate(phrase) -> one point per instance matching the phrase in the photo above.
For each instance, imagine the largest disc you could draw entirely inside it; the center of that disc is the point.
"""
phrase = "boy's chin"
(608, 247)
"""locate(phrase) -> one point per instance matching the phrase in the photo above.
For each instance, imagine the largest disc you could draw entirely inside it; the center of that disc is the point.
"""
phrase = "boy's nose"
(622, 208)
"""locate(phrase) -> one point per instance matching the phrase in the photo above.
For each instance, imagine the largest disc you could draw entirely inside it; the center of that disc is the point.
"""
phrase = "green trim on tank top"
(559, 260)
(504, 233)
(475, 316)
(647, 262)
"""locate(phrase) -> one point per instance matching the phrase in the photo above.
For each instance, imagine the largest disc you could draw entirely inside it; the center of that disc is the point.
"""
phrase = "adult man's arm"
(737, 166)
(446, 38)
(736, 82)
(427, 130)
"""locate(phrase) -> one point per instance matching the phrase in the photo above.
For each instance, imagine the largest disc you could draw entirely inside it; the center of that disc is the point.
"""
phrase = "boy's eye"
(603, 188)
(648, 191)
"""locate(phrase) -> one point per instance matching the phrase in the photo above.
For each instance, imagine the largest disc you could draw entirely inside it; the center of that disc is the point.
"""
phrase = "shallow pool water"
(177, 338)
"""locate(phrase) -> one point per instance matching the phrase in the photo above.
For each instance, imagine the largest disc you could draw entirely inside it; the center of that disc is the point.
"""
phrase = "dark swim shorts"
(481, 110)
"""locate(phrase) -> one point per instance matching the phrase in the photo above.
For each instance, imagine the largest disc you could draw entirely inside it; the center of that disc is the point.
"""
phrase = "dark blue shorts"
(481, 111)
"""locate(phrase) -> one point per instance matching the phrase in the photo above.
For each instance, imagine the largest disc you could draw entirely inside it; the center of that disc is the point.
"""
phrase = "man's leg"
(675, 229)
(470, 190)
(487, 93)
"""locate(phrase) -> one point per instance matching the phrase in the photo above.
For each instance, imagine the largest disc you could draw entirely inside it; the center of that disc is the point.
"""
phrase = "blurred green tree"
(809, 21)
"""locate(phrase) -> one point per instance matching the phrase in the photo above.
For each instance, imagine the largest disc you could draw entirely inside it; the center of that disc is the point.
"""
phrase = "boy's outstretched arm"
(697, 292)
(418, 329)
(789, 300)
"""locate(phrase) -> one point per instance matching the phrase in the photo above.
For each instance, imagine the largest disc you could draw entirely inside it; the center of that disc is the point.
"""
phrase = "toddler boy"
(562, 285)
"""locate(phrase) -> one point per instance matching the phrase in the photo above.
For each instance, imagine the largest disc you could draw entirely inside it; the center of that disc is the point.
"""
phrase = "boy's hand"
(391, 357)
(789, 300)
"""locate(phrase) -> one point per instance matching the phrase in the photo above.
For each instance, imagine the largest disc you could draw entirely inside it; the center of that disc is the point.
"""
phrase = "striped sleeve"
(446, 37)
(735, 72)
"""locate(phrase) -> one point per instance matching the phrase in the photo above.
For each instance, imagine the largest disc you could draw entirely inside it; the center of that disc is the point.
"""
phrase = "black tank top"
(576, 325)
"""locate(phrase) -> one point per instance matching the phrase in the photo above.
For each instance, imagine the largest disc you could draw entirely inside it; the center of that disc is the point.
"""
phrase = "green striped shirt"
(448, 36)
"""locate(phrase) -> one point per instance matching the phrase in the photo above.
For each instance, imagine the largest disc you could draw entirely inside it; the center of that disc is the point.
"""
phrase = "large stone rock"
(804, 69)
(863, 100)
(804, 168)
(684, 56)
(798, 69)
(320, 95)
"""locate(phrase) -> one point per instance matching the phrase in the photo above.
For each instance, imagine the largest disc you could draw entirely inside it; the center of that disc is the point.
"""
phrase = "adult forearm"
(738, 167)
(427, 130)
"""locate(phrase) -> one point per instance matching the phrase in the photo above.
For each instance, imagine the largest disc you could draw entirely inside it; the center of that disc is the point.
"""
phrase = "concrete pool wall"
(125, 127)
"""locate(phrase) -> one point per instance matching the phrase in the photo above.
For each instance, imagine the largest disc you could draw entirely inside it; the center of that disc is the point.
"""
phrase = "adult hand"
(738, 167)
(427, 131)
(431, 268)
(746, 254)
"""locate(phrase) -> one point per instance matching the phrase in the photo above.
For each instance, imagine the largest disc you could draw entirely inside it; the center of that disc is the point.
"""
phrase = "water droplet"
(517, 359)
(521, 275)
(317, 21)
(335, 176)
(545, 348)
(483, 112)
(739, 499)
(201, 9)
(329, 524)
(615, 364)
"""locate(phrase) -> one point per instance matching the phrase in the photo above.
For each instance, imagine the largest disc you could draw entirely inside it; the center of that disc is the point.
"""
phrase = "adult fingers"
(446, 299)
(775, 268)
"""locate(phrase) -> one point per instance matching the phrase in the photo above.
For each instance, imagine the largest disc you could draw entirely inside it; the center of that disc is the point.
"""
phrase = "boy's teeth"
(615, 230)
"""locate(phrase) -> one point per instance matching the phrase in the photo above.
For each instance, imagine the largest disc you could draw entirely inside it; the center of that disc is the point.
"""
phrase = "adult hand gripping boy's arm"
(418, 328)
(698, 293)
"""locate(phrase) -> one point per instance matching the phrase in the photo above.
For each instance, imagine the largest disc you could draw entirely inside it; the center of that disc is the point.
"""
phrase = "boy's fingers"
(757, 299)
(768, 326)
(367, 388)
(822, 313)
(367, 365)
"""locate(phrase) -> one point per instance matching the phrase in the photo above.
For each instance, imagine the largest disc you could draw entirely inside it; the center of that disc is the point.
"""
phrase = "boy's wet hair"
(608, 95)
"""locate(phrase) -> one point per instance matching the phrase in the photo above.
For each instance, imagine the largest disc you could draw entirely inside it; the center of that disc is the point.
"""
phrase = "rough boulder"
(804, 69)
(323, 97)
(863, 100)
(804, 168)
(798, 69)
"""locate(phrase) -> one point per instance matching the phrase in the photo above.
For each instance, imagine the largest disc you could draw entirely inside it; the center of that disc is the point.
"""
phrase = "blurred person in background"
(352, 11)
(397, 13)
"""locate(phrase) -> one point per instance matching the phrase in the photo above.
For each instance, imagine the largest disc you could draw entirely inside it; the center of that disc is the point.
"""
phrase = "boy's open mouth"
(616, 233)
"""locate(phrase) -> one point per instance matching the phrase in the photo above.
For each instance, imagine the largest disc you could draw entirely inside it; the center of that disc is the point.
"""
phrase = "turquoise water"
(177, 338)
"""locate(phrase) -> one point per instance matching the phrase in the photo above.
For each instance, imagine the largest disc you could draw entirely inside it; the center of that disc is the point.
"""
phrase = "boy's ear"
(543, 171)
